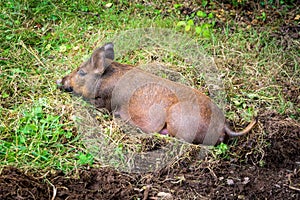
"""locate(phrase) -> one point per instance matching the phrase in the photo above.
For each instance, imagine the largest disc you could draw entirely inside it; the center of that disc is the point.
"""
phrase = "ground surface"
(278, 179)
(272, 173)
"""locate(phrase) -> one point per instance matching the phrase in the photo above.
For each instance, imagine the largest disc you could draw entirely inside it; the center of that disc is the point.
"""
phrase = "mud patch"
(283, 135)
(278, 176)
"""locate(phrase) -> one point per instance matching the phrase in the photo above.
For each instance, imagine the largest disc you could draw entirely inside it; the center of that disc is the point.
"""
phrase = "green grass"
(40, 41)
(38, 139)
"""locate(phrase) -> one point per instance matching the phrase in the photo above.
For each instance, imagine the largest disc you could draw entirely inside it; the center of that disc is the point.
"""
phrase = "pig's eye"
(81, 72)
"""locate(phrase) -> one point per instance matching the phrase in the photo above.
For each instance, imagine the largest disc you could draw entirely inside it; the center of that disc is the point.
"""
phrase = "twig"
(294, 188)
(54, 190)
(146, 192)
(32, 53)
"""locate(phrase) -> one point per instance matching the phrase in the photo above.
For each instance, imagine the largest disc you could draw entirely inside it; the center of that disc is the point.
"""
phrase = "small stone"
(165, 195)
(230, 182)
(246, 180)
(108, 5)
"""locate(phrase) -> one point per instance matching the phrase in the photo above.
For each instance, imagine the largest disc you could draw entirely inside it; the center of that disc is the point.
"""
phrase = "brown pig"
(147, 101)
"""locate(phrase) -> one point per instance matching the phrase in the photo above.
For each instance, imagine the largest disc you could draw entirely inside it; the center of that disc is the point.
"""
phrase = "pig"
(149, 102)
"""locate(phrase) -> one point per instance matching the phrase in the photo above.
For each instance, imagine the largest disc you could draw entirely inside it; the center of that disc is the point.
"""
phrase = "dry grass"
(255, 70)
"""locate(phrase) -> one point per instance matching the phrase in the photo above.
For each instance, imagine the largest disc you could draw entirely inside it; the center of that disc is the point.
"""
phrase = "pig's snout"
(63, 84)
(59, 82)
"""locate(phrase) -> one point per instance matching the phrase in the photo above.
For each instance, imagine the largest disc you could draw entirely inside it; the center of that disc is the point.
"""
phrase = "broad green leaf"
(204, 3)
(177, 5)
(198, 29)
(5, 95)
(181, 23)
(190, 22)
(201, 14)
(206, 33)
(187, 28)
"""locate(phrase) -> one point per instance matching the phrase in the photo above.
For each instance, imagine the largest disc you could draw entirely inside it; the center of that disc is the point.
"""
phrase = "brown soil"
(277, 177)
(267, 167)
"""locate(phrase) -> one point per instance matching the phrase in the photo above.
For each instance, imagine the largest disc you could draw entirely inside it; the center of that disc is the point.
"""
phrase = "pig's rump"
(160, 105)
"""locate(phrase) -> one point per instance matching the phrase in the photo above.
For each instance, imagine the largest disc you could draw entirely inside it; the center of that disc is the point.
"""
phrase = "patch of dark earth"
(262, 171)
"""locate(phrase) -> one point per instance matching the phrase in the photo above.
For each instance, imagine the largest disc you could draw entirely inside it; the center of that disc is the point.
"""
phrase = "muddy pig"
(148, 102)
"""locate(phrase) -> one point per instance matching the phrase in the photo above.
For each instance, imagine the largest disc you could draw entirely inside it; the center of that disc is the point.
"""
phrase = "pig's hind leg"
(182, 121)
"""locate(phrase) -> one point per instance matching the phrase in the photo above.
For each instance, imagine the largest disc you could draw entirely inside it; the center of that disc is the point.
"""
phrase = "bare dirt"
(268, 171)
(278, 177)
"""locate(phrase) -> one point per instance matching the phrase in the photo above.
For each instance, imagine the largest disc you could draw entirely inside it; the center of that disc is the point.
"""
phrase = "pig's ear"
(102, 58)
(109, 51)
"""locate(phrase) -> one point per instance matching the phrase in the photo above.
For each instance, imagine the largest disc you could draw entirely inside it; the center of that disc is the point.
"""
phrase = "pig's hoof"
(164, 131)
